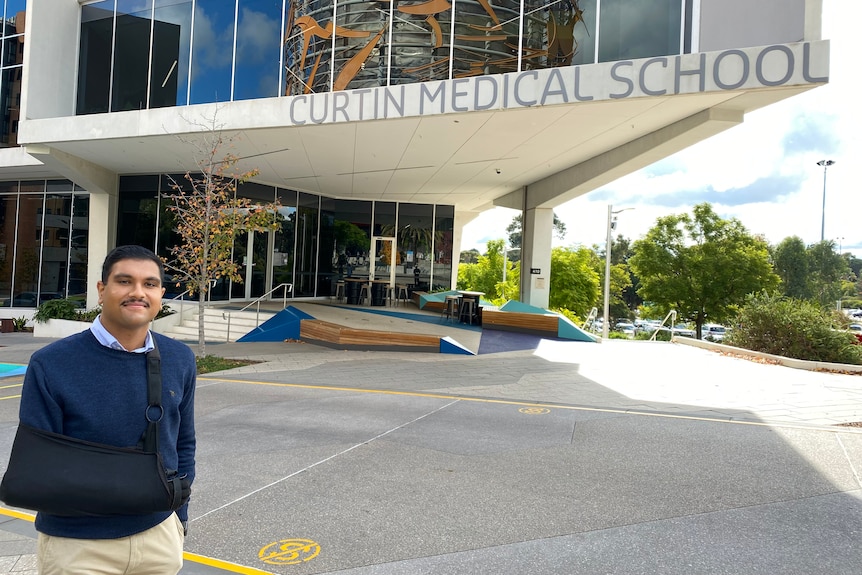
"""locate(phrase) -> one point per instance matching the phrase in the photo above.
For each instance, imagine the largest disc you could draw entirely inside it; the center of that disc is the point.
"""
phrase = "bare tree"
(207, 216)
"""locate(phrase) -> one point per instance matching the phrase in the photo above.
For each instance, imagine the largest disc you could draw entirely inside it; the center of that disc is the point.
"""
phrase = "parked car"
(28, 298)
(625, 327)
(713, 332)
(683, 331)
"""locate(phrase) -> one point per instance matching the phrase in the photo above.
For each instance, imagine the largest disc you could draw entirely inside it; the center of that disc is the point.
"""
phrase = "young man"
(93, 386)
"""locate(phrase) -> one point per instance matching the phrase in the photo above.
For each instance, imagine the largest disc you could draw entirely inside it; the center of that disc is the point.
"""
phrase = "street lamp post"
(607, 299)
(825, 164)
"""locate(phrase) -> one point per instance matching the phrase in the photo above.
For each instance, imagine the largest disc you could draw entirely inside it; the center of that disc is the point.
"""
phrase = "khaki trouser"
(156, 551)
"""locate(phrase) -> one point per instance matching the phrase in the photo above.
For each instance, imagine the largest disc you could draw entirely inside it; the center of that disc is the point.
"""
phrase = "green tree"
(790, 259)
(486, 275)
(470, 256)
(574, 281)
(207, 215)
(701, 265)
(828, 270)
(516, 225)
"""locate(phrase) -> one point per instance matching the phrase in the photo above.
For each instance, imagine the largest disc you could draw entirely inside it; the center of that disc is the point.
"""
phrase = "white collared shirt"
(106, 339)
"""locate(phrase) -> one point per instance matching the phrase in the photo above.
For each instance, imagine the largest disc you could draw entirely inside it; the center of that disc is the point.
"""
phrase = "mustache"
(134, 300)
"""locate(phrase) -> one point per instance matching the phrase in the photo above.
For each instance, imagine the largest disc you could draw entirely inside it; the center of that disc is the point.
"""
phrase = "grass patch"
(211, 363)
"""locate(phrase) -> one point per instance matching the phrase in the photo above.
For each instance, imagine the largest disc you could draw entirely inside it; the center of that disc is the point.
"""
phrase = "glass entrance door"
(249, 253)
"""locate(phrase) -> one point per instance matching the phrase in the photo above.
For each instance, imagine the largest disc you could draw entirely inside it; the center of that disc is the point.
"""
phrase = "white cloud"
(767, 167)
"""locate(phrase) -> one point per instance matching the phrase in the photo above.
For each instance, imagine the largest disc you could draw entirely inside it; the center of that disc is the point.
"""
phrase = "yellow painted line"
(778, 424)
(17, 514)
(10, 386)
(10, 397)
(225, 565)
(194, 557)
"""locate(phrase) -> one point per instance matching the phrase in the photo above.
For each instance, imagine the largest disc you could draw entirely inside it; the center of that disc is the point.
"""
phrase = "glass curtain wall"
(11, 63)
(44, 229)
(154, 53)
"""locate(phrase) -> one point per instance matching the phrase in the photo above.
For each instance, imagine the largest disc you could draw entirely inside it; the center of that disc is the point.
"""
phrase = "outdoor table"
(352, 289)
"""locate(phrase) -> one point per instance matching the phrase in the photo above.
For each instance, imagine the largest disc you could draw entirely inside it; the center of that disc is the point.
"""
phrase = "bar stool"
(401, 290)
(339, 290)
(467, 311)
(450, 308)
(365, 292)
(390, 294)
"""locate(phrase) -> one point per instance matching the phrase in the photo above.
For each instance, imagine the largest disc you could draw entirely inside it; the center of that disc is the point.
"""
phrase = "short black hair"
(130, 252)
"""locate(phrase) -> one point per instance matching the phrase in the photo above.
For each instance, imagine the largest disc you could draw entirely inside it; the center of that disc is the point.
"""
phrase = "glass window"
(94, 58)
(10, 98)
(138, 211)
(169, 71)
(444, 226)
(55, 246)
(258, 49)
(415, 230)
(352, 237)
(632, 29)
(558, 33)
(306, 245)
(486, 37)
(212, 51)
(285, 239)
(77, 283)
(28, 248)
(361, 48)
(308, 48)
(131, 55)
(8, 211)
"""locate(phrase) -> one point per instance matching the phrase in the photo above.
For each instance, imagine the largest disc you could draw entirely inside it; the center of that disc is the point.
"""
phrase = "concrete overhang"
(472, 142)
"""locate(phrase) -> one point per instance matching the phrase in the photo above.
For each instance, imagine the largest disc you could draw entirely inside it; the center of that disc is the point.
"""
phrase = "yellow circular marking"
(534, 410)
(289, 552)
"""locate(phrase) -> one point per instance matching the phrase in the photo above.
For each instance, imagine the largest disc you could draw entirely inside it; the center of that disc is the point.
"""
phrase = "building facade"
(381, 128)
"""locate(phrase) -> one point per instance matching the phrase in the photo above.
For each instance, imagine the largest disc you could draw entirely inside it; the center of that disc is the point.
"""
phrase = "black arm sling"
(60, 475)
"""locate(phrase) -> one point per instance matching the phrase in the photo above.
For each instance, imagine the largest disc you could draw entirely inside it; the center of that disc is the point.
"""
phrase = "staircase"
(216, 320)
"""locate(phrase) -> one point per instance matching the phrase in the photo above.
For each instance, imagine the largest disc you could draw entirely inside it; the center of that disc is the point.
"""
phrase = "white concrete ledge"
(785, 361)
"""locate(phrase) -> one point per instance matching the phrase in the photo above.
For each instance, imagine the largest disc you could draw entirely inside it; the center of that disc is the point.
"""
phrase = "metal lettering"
(518, 78)
(627, 81)
(716, 69)
(456, 94)
(493, 101)
(701, 71)
(642, 77)
(424, 91)
(557, 76)
(758, 69)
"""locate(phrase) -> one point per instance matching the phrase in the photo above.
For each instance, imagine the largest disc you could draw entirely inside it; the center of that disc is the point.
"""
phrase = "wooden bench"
(535, 323)
(334, 335)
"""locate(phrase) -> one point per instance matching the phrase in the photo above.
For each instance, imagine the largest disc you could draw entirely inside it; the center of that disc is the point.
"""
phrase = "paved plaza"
(621, 457)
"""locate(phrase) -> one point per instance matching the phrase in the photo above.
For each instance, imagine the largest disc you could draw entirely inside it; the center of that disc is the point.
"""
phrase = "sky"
(762, 172)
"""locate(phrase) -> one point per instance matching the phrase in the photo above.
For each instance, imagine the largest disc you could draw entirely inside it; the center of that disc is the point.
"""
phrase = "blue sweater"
(80, 388)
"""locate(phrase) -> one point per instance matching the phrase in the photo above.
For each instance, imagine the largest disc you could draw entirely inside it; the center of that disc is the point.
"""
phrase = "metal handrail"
(671, 313)
(288, 289)
(589, 321)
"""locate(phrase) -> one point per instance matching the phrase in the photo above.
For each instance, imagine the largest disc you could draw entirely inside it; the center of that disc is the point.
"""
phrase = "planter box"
(59, 328)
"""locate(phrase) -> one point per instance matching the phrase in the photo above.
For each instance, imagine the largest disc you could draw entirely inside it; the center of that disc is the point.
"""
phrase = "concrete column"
(103, 237)
(461, 219)
(536, 234)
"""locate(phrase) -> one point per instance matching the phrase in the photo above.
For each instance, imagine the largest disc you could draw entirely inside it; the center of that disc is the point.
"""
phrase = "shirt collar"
(108, 340)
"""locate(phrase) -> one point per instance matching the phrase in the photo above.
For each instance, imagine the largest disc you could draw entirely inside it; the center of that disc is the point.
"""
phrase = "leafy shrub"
(19, 323)
(88, 315)
(56, 309)
(662, 335)
(793, 328)
(166, 310)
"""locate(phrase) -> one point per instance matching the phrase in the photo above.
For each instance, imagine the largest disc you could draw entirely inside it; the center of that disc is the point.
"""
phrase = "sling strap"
(154, 405)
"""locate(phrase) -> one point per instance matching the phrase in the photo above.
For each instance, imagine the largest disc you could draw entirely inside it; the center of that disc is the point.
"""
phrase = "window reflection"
(94, 58)
(212, 51)
(169, 76)
(632, 30)
(8, 209)
(131, 55)
(257, 49)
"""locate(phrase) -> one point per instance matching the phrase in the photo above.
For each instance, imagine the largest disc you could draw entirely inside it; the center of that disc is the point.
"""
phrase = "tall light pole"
(605, 310)
(825, 164)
